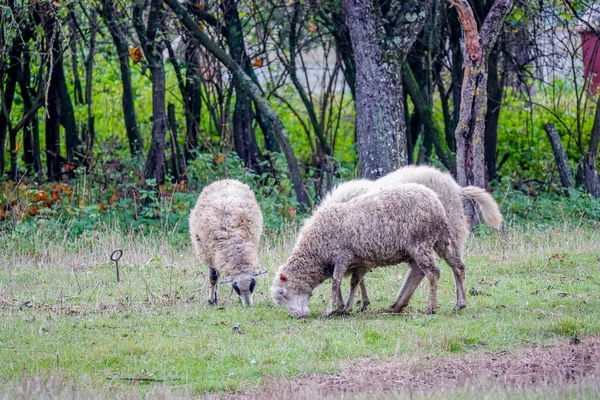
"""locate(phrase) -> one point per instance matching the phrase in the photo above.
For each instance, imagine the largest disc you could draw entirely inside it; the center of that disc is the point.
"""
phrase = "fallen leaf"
(220, 159)
(291, 212)
(114, 197)
(136, 54)
(55, 196)
(312, 28)
(200, 6)
(257, 63)
(41, 195)
(558, 257)
(69, 166)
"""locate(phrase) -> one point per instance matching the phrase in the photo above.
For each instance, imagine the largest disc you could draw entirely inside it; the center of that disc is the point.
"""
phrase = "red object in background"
(590, 46)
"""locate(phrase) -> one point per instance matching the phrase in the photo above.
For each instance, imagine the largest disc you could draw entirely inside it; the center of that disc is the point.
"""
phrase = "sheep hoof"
(326, 314)
(430, 311)
(459, 307)
(395, 310)
(212, 302)
(341, 312)
(363, 307)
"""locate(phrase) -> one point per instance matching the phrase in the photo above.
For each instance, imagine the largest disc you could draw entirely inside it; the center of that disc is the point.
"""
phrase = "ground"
(67, 328)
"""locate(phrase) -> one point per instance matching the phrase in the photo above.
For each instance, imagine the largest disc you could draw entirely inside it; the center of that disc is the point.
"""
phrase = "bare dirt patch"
(568, 362)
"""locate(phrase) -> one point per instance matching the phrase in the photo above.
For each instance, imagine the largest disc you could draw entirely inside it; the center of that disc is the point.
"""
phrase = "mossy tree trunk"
(470, 148)
(380, 45)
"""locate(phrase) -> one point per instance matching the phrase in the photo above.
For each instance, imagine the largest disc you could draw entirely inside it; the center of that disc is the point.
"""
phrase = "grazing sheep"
(225, 228)
(407, 223)
(451, 195)
(346, 191)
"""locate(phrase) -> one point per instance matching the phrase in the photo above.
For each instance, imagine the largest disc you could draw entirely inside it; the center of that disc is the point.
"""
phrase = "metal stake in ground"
(115, 257)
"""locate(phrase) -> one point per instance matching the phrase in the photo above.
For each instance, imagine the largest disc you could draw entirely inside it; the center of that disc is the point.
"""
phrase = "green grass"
(534, 287)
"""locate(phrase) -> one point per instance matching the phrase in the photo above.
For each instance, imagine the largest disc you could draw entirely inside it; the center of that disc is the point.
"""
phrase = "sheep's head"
(244, 284)
(292, 298)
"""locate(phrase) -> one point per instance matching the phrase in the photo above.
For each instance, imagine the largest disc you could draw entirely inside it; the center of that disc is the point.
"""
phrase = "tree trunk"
(378, 56)
(243, 134)
(380, 125)
(53, 107)
(564, 170)
(108, 12)
(67, 114)
(89, 69)
(193, 101)
(31, 134)
(495, 88)
(78, 95)
(177, 161)
(155, 161)
(248, 85)
(470, 151)
(590, 173)
(8, 95)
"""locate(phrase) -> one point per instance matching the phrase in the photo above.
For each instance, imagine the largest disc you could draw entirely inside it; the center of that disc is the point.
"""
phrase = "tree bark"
(193, 100)
(53, 108)
(564, 170)
(243, 133)
(109, 15)
(378, 56)
(470, 149)
(31, 134)
(148, 36)
(247, 84)
(495, 88)
(590, 173)
(67, 113)
(90, 135)
(177, 161)
(78, 95)
(8, 95)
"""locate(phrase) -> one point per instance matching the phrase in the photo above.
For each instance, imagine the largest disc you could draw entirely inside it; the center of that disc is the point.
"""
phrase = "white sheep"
(450, 194)
(407, 223)
(225, 229)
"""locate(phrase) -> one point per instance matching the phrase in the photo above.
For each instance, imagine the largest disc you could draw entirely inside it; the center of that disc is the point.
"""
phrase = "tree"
(470, 158)
(151, 43)
(382, 35)
(109, 14)
(246, 84)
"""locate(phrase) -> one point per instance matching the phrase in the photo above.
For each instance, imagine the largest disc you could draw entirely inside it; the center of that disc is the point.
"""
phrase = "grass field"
(67, 328)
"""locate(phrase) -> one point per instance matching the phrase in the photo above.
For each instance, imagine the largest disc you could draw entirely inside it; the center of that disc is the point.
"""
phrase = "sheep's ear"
(226, 280)
(259, 272)
(282, 277)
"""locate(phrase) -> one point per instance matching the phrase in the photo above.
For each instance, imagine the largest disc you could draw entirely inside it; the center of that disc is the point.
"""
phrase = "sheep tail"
(487, 204)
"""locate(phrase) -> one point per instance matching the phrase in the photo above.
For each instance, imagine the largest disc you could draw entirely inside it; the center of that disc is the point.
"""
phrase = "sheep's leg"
(458, 268)
(411, 282)
(336, 293)
(364, 298)
(427, 263)
(213, 295)
(357, 277)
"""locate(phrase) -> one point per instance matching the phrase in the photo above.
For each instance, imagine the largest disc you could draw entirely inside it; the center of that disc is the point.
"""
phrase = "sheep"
(225, 228)
(452, 196)
(407, 223)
